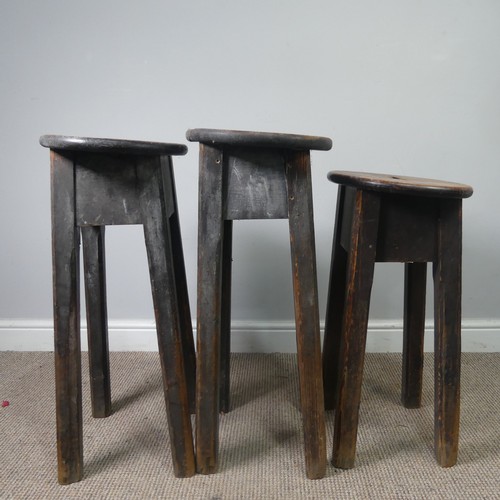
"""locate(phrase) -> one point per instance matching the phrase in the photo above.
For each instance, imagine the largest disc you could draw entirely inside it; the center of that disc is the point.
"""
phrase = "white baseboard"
(246, 336)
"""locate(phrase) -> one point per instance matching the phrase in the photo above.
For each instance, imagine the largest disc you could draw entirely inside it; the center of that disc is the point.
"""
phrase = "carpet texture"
(127, 455)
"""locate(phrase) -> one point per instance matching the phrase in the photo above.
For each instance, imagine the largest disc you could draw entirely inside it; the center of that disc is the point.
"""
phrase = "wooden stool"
(252, 175)
(99, 182)
(385, 218)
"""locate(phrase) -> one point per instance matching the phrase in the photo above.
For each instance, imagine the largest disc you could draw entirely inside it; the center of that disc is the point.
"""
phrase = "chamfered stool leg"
(210, 249)
(184, 311)
(303, 252)
(361, 263)
(168, 324)
(97, 319)
(335, 309)
(447, 337)
(413, 333)
(65, 255)
(225, 355)
(182, 296)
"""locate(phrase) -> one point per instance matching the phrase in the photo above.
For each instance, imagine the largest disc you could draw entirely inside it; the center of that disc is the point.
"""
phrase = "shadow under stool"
(95, 183)
(254, 175)
(385, 218)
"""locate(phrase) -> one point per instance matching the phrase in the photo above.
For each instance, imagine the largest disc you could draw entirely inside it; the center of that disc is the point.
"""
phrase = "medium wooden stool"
(254, 175)
(385, 218)
(99, 182)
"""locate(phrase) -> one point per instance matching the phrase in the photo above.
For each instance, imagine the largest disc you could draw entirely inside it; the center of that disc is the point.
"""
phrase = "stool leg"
(413, 334)
(184, 309)
(65, 255)
(210, 245)
(168, 325)
(182, 293)
(447, 336)
(361, 261)
(97, 319)
(300, 213)
(334, 309)
(225, 355)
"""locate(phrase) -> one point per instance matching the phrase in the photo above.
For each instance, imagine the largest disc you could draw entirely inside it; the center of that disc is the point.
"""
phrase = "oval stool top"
(258, 139)
(399, 184)
(113, 146)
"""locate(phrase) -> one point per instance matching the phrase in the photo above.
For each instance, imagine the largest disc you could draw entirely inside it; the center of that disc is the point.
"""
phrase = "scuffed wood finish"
(210, 247)
(413, 334)
(96, 183)
(112, 178)
(256, 184)
(414, 221)
(94, 267)
(65, 269)
(447, 271)
(360, 267)
(303, 252)
(249, 175)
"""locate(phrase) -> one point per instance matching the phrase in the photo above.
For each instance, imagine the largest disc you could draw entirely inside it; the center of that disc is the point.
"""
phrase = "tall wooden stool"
(385, 218)
(99, 182)
(254, 175)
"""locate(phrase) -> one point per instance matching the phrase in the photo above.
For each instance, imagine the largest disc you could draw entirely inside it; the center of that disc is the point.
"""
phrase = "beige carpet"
(127, 455)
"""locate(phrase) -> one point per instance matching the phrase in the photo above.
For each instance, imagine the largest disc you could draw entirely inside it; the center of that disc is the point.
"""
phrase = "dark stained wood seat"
(391, 218)
(111, 146)
(254, 175)
(399, 184)
(99, 182)
(243, 138)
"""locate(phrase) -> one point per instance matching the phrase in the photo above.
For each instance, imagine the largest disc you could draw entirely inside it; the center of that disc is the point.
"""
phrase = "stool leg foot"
(65, 255)
(225, 355)
(413, 334)
(447, 338)
(300, 213)
(168, 325)
(361, 263)
(97, 320)
(210, 245)
(334, 309)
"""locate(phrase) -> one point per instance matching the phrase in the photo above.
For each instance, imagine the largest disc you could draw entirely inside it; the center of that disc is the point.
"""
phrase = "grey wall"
(408, 87)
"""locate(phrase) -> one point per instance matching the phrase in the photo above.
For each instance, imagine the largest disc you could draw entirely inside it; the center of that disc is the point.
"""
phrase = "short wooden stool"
(254, 175)
(385, 218)
(99, 182)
